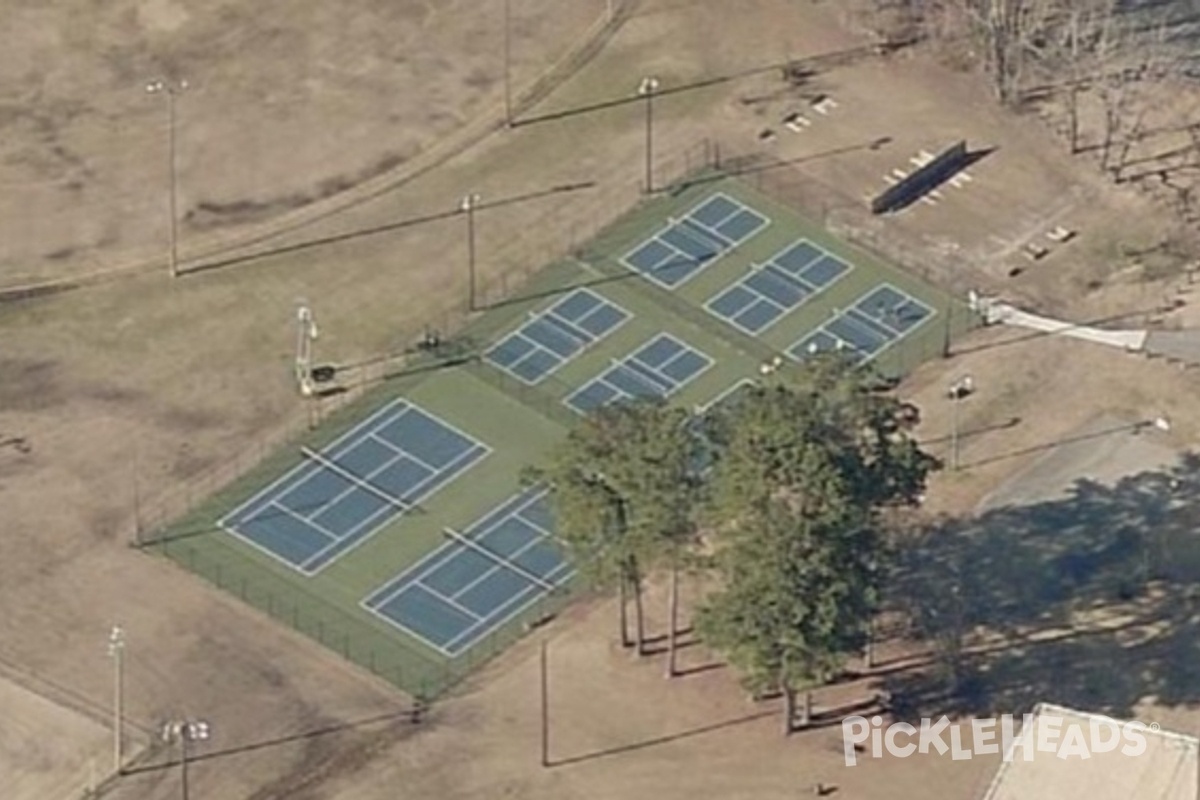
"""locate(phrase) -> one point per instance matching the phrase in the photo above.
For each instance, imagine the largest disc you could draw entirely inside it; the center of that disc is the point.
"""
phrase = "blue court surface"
(468, 587)
(878, 319)
(657, 369)
(555, 336)
(770, 291)
(682, 249)
(339, 497)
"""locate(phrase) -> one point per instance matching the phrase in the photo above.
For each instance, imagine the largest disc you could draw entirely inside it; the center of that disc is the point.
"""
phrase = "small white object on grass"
(1162, 423)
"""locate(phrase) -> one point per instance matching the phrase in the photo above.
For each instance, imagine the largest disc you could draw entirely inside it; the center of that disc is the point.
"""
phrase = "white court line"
(908, 297)
(585, 343)
(407, 631)
(246, 540)
(457, 466)
(510, 369)
(452, 469)
(502, 621)
(342, 494)
(437, 560)
(724, 393)
(534, 595)
(315, 525)
(374, 435)
(450, 601)
(649, 272)
(702, 266)
(496, 567)
(739, 209)
(933, 313)
(423, 569)
(566, 326)
(708, 362)
(306, 463)
(413, 457)
(626, 316)
(674, 387)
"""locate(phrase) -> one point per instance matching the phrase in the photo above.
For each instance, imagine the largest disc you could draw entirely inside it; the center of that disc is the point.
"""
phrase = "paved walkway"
(1182, 346)
(1004, 314)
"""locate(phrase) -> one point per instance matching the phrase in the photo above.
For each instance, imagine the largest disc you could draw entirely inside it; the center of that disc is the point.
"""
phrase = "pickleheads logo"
(1042, 733)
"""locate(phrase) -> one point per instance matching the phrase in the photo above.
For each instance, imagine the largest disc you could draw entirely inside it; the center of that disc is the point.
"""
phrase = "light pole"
(468, 207)
(169, 90)
(116, 650)
(508, 118)
(306, 334)
(647, 89)
(185, 732)
(959, 390)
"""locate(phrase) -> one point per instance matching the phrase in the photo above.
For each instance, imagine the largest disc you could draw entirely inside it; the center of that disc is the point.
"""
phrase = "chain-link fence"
(356, 637)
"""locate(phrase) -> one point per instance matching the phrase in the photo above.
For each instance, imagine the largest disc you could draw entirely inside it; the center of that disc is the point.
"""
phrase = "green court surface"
(402, 581)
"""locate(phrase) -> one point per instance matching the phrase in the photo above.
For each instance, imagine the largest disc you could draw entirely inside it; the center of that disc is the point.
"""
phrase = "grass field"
(521, 422)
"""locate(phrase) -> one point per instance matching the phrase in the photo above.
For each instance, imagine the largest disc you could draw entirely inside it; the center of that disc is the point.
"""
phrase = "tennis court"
(338, 497)
(877, 320)
(770, 291)
(552, 338)
(405, 546)
(685, 246)
(479, 579)
(657, 369)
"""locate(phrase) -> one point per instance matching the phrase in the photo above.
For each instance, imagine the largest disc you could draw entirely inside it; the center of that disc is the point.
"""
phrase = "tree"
(761, 442)
(623, 493)
(794, 602)
(797, 492)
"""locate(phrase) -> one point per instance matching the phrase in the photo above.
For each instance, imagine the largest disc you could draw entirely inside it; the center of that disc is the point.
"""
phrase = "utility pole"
(508, 111)
(468, 206)
(959, 390)
(646, 89)
(545, 686)
(168, 90)
(116, 651)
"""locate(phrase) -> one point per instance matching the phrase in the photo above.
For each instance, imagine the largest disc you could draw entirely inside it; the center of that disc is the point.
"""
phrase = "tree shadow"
(1088, 602)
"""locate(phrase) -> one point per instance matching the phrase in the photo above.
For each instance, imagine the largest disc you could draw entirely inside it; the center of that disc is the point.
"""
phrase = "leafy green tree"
(794, 601)
(623, 493)
(765, 441)
(800, 480)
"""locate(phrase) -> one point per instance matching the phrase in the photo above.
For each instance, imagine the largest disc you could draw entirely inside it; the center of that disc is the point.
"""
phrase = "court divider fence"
(571, 233)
